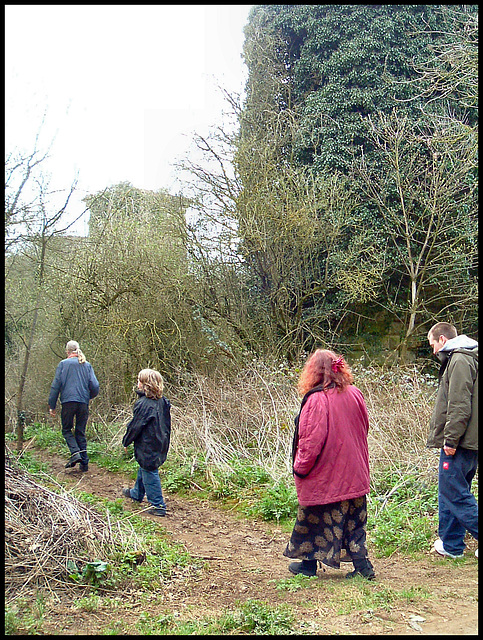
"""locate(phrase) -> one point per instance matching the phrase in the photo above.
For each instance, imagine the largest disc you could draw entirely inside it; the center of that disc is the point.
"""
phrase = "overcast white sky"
(123, 86)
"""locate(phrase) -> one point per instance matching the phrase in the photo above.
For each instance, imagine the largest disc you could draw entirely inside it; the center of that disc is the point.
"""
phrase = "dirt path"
(243, 559)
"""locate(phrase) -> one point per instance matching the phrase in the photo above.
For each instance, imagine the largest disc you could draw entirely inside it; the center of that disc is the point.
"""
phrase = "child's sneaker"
(127, 494)
(157, 511)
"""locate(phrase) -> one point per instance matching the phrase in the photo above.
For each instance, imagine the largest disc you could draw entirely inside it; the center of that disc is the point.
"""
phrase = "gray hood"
(460, 342)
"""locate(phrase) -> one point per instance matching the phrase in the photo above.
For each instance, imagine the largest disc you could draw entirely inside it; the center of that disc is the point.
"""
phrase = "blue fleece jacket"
(75, 382)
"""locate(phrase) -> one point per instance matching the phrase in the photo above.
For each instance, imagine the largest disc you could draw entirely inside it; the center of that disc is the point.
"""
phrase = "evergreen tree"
(319, 76)
(342, 64)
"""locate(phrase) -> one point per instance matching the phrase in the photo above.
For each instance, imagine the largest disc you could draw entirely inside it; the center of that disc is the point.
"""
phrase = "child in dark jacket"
(150, 431)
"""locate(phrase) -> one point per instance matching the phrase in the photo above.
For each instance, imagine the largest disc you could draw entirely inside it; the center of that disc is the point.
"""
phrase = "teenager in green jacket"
(454, 429)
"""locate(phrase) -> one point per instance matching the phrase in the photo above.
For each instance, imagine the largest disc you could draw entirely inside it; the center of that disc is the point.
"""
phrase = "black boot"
(362, 567)
(74, 459)
(306, 567)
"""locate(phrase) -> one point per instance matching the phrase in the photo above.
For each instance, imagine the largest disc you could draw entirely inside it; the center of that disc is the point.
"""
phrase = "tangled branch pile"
(44, 530)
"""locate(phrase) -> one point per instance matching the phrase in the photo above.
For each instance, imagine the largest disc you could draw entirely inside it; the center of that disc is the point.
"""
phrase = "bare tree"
(32, 221)
(451, 72)
(425, 195)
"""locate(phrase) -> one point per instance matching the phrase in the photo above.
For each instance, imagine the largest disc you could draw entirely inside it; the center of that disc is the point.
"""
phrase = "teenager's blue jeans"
(458, 509)
(148, 484)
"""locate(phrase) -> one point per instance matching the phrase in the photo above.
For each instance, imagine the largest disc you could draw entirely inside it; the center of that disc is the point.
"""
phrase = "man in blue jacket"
(77, 384)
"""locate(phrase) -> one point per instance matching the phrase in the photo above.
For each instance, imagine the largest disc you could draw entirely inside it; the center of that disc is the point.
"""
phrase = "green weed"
(238, 474)
(279, 502)
(399, 528)
(414, 594)
(155, 625)
(178, 477)
(46, 435)
(252, 617)
(89, 603)
(116, 628)
(25, 617)
(29, 462)
(295, 583)
(259, 618)
(116, 463)
(94, 573)
(402, 512)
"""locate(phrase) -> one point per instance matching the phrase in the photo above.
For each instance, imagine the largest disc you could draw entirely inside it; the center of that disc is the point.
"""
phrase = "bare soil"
(243, 559)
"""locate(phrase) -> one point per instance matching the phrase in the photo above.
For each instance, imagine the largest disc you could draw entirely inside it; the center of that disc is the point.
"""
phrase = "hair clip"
(337, 364)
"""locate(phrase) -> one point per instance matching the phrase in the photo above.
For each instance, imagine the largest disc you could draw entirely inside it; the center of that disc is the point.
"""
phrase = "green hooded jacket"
(455, 415)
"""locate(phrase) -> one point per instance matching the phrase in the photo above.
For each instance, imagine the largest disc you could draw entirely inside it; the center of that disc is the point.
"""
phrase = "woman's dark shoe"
(306, 567)
(74, 459)
(363, 568)
(155, 511)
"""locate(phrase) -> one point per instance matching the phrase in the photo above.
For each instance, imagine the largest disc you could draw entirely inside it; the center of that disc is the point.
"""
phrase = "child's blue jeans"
(458, 509)
(149, 484)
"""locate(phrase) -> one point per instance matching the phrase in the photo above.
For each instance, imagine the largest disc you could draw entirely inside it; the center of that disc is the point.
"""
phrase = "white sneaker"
(438, 547)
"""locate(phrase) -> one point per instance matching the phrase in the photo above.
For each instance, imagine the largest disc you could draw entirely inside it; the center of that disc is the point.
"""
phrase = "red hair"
(324, 367)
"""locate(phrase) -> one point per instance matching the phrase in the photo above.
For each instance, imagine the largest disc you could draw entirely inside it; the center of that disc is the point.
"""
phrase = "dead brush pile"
(45, 531)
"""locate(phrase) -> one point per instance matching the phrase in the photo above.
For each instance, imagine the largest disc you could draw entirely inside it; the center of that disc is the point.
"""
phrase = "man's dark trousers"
(76, 441)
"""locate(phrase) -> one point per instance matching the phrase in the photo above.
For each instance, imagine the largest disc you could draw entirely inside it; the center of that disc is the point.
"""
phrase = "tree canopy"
(320, 77)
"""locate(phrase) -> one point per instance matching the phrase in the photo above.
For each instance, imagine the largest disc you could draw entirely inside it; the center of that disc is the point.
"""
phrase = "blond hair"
(72, 347)
(152, 382)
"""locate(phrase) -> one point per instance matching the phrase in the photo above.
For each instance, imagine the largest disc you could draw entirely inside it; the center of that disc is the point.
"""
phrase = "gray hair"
(73, 347)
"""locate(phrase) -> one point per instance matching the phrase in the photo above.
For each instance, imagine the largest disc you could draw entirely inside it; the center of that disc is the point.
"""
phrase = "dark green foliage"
(343, 62)
(321, 79)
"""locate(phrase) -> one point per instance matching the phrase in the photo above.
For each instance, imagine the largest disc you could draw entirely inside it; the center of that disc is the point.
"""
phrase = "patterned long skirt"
(321, 532)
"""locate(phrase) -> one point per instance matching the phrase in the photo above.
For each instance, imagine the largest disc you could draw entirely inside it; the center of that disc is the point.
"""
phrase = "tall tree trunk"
(28, 350)
(23, 377)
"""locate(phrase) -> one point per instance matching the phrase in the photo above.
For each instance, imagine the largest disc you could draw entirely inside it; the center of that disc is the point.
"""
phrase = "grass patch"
(355, 595)
(403, 511)
(25, 617)
(361, 596)
(295, 583)
(252, 617)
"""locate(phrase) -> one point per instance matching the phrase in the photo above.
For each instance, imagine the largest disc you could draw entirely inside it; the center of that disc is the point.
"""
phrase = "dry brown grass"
(247, 417)
(251, 417)
(399, 402)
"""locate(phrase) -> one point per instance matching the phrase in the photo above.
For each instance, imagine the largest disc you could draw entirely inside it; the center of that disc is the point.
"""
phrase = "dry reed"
(249, 417)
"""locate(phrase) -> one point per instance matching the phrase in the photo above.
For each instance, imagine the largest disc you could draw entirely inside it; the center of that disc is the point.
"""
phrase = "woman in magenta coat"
(331, 469)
